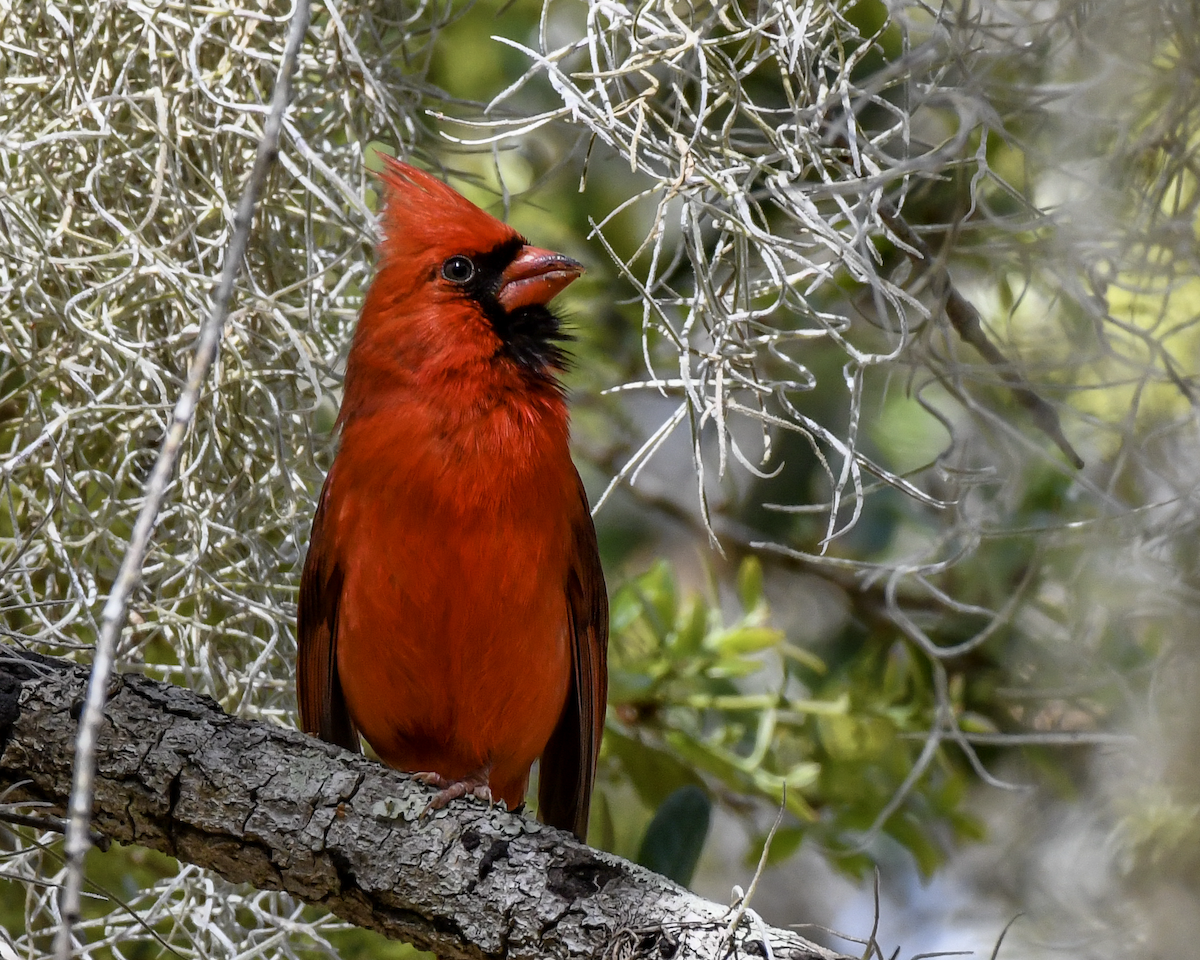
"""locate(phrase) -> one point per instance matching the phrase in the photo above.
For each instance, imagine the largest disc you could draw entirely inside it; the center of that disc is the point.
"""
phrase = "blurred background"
(884, 389)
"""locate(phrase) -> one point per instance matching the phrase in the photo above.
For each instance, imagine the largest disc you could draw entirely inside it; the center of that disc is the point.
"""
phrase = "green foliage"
(703, 700)
(675, 837)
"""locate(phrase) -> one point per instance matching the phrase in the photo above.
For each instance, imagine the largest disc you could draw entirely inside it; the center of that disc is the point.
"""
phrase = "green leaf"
(750, 583)
(896, 673)
(745, 640)
(771, 785)
(624, 608)
(654, 773)
(675, 837)
(918, 842)
(717, 762)
(731, 701)
(324, 415)
(625, 686)
(657, 588)
(803, 657)
(601, 832)
(828, 708)
(786, 841)
(855, 738)
(693, 624)
(966, 826)
(971, 722)
(802, 775)
(734, 667)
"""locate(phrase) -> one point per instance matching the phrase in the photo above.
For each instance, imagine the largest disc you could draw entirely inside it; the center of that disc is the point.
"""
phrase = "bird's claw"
(475, 785)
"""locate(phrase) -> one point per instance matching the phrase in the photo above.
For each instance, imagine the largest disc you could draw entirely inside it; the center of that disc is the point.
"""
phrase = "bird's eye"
(458, 269)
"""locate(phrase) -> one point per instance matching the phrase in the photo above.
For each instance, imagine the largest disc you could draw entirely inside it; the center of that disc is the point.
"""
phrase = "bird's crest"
(421, 214)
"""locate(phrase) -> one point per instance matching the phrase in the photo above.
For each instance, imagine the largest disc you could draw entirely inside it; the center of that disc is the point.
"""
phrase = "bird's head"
(457, 290)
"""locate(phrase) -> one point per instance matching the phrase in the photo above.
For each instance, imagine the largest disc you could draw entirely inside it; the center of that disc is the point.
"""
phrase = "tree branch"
(283, 811)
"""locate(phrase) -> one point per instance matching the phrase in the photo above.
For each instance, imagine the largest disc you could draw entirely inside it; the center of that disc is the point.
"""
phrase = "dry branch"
(280, 810)
(965, 320)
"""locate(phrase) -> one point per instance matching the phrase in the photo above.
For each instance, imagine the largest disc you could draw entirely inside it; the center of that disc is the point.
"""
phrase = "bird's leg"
(472, 785)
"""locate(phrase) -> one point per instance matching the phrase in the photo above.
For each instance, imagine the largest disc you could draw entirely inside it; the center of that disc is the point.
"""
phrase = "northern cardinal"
(452, 606)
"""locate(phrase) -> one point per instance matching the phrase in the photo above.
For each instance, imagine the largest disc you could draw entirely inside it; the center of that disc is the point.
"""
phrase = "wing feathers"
(323, 710)
(568, 766)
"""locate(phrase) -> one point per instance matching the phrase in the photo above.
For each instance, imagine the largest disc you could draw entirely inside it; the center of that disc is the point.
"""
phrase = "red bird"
(452, 607)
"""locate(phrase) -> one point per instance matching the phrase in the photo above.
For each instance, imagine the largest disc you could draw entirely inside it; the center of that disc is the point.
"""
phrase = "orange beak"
(535, 277)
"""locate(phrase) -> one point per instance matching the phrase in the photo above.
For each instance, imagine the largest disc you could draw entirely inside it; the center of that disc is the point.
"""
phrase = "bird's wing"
(318, 691)
(568, 766)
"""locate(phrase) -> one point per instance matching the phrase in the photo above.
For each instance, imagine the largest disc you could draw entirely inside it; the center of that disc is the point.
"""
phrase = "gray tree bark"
(283, 811)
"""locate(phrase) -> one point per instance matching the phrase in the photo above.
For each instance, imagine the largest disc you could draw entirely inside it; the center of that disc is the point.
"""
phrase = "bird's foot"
(473, 785)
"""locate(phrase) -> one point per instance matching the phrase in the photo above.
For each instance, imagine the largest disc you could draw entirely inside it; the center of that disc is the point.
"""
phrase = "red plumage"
(452, 606)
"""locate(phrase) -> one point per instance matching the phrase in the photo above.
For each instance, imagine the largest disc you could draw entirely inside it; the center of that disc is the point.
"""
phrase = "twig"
(78, 838)
(743, 902)
(1047, 738)
(942, 953)
(872, 944)
(1003, 933)
(49, 822)
(966, 322)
